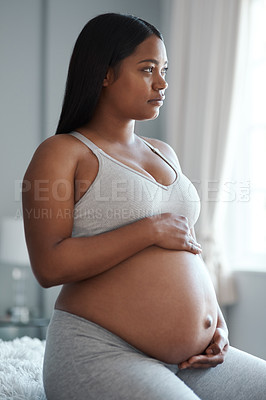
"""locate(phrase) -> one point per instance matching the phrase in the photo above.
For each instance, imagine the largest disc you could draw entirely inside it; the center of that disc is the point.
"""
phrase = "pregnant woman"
(137, 316)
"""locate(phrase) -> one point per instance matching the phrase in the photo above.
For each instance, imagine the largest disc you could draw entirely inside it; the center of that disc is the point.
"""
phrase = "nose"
(160, 83)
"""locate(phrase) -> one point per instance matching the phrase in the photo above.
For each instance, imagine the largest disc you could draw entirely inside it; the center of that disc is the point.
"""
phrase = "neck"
(110, 128)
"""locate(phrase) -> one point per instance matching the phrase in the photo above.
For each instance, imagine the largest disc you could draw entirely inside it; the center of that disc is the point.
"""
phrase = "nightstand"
(35, 327)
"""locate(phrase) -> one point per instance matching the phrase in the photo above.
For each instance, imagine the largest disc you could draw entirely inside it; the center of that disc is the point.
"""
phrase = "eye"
(148, 69)
(151, 69)
(164, 71)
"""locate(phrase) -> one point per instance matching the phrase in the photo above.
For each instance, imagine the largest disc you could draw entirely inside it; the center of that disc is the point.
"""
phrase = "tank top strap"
(159, 153)
(86, 141)
(149, 145)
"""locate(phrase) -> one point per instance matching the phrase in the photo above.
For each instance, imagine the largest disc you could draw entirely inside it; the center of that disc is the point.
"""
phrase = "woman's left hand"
(213, 355)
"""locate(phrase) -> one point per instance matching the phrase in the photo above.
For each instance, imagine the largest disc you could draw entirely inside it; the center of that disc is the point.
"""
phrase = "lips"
(156, 102)
(157, 99)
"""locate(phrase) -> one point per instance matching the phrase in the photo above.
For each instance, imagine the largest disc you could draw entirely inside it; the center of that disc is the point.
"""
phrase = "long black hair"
(103, 42)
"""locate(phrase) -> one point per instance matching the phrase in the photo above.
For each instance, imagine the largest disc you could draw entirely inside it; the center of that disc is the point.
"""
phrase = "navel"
(208, 322)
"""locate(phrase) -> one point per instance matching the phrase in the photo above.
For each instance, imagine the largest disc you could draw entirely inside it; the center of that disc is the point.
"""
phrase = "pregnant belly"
(160, 301)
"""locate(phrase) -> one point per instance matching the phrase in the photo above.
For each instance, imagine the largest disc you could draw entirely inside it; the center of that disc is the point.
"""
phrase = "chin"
(156, 115)
(148, 117)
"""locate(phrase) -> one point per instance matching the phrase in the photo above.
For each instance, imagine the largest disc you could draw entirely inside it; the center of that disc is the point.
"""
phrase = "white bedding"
(21, 369)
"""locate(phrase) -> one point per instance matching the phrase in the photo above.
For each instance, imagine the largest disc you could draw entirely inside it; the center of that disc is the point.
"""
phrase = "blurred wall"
(20, 111)
(20, 84)
(246, 318)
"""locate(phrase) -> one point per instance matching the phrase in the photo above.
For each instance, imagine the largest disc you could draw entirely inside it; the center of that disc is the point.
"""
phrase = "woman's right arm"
(48, 205)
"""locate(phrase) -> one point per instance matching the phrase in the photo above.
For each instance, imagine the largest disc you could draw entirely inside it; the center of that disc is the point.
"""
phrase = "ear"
(109, 77)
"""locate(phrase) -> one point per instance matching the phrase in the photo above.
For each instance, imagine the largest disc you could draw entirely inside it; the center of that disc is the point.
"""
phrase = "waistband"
(72, 324)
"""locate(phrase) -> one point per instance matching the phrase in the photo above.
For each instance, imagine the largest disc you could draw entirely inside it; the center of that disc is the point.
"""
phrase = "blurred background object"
(13, 253)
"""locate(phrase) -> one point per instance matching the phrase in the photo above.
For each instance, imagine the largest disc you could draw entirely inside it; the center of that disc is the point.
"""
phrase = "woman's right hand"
(173, 233)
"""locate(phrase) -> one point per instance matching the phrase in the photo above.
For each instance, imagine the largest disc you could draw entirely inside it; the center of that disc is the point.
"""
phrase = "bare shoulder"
(56, 146)
(57, 155)
(165, 149)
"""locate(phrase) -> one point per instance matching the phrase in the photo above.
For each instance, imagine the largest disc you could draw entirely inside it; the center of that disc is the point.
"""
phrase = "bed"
(21, 369)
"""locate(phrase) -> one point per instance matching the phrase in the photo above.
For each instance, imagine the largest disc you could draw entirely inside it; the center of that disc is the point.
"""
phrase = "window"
(245, 222)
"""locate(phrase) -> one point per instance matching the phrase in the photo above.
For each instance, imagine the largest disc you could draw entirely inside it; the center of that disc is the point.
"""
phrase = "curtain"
(202, 52)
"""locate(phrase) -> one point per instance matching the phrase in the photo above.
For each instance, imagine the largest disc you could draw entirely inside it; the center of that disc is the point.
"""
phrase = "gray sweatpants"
(84, 361)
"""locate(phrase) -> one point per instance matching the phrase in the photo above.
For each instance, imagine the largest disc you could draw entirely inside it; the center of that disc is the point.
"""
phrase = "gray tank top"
(120, 195)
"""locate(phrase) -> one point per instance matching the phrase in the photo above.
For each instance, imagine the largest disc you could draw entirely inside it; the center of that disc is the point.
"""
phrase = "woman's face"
(139, 90)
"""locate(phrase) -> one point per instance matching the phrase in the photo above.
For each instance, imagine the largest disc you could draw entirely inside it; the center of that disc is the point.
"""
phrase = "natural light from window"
(245, 222)
(257, 126)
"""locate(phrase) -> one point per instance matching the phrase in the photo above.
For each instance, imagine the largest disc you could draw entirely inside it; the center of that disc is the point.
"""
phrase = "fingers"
(202, 361)
(215, 348)
(214, 354)
(194, 247)
(173, 232)
(190, 244)
(219, 342)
